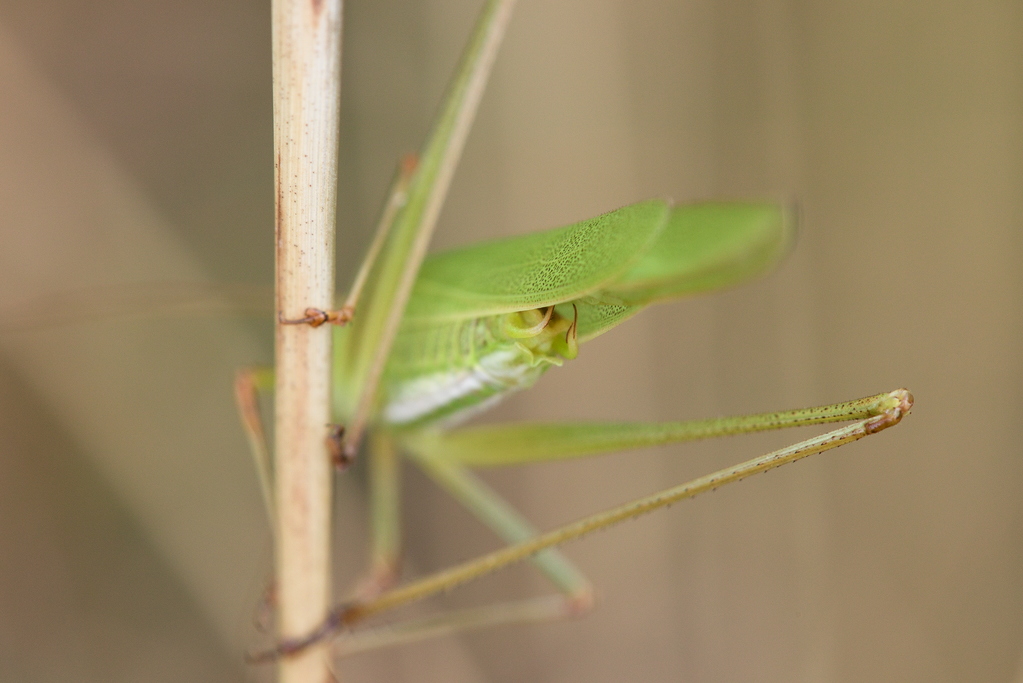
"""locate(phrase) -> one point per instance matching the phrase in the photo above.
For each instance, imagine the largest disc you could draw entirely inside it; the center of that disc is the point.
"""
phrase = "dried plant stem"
(306, 64)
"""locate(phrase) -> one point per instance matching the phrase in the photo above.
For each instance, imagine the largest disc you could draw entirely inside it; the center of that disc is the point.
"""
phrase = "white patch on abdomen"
(502, 371)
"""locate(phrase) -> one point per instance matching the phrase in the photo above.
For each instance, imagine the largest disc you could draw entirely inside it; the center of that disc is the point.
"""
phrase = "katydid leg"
(385, 507)
(503, 519)
(885, 414)
(249, 385)
(516, 444)
(576, 596)
(528, 611)
(484, 503)
(877, 414)
(415, 222)
(397, 195)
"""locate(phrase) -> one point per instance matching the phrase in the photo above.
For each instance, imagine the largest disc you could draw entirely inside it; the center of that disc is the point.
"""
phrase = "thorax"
(446, 372)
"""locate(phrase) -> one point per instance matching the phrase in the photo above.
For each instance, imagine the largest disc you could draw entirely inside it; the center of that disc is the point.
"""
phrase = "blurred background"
(135, 148)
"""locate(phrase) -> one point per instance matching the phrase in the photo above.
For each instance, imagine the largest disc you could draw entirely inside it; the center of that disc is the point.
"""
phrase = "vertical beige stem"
(306, 54)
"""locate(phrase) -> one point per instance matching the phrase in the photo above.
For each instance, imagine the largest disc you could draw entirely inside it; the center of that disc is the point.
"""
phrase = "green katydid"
(434, 345)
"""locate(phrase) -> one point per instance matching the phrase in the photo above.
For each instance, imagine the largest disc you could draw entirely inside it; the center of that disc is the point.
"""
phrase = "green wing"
(535, 270)
(707, 246)
(609, 267)
(703, 247)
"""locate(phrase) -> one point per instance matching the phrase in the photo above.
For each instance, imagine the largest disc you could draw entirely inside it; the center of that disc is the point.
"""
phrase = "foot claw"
(286, 648)
(339, 453)
(314, 317)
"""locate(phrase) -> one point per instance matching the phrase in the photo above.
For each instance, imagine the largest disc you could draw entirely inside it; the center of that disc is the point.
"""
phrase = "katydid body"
(487, 320)
(442, 339)
(490, 319)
